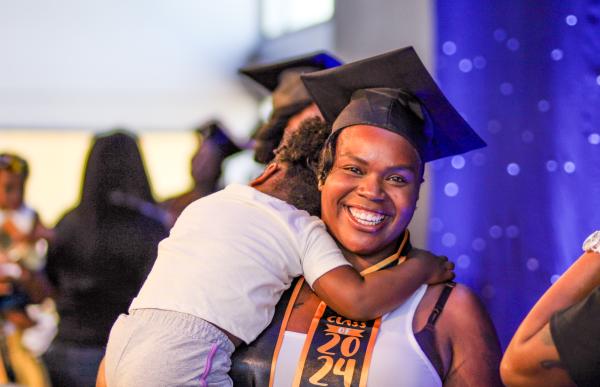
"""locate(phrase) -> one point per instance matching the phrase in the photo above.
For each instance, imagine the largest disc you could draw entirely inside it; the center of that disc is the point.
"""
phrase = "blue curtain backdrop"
(513, 215)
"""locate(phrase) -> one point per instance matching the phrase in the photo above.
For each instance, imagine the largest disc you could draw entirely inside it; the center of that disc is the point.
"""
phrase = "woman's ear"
(268, 172)
(320, 185)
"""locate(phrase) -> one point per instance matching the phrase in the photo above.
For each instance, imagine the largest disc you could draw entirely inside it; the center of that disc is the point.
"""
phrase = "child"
(21, 278)
(20, 229)
(224, 266)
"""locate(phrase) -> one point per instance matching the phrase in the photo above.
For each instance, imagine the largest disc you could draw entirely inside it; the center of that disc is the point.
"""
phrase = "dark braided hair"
(327, 156)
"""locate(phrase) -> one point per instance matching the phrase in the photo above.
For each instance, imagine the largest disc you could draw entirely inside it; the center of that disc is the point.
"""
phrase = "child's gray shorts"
(153, 347)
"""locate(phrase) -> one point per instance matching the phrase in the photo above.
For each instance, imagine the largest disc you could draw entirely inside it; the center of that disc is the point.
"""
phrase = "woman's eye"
(398, 179)
(353, 170)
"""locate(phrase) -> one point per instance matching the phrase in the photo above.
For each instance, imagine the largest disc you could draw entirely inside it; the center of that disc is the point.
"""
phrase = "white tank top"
(397, 360)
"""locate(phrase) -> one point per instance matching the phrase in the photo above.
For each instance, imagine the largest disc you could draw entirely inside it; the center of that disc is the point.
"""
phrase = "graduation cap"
(393, 91)
(289, 96)
(214, 131)
(282, 79)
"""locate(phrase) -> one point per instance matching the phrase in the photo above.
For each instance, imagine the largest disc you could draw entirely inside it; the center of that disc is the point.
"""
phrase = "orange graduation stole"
(337, 350)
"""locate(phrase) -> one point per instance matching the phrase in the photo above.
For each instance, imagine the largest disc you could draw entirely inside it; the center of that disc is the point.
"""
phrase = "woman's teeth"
(368, 218)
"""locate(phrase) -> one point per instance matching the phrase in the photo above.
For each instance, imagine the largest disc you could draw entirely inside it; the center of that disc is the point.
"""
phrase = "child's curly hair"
(301, 153)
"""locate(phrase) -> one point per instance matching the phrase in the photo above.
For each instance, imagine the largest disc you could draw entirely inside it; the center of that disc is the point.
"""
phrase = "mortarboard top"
(282, 79)
(214, 131)
(381, 91)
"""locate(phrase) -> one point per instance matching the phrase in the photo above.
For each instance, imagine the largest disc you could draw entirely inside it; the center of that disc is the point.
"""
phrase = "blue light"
(512, 231)
(458, 162)
(451, 189)
(532, 264)
(465, 65)
(513, 44)
(449, 48)
(463, 261)
(551, 165)
(479, 62)
(535, 104)
(569, 167)
(556, 54)
(543, 105)
(527, 136)
(496, 231)
(478, 244)
(448, 239)
(500, 35)
(513, 169)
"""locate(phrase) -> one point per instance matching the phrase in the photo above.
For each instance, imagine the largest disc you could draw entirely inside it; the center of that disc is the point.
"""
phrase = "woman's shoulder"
(462, 304)
(464, 327)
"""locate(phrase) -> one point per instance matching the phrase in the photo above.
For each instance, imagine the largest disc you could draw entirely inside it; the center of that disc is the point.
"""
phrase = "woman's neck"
(361, 262)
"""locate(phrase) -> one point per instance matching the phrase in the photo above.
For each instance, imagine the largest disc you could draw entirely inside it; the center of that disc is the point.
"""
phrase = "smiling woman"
(370, 194)
(388, 118)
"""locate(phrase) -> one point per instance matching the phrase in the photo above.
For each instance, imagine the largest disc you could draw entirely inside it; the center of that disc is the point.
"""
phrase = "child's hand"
(438, 268)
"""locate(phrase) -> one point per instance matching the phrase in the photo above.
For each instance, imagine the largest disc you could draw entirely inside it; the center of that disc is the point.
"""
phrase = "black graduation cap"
(282, 79)
(214, 131)
(393, 91)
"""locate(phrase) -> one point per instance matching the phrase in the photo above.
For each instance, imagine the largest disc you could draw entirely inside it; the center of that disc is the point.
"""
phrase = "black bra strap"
(439, 305)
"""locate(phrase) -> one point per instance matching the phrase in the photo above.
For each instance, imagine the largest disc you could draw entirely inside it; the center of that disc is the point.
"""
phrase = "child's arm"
(366, 298)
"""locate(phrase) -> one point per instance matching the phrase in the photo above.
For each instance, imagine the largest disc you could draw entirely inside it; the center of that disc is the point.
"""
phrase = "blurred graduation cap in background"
(393, 91)
(289, 96)
(215, 132)
(282, 79)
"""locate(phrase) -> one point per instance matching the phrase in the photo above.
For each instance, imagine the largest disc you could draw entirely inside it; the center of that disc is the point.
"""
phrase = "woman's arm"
(474, 343)
(531, 357)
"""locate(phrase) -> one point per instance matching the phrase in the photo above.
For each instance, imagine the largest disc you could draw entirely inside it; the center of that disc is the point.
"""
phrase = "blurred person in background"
(214, 146)
(101, 254)
(291, 103)
(23, 242)
(558, 343)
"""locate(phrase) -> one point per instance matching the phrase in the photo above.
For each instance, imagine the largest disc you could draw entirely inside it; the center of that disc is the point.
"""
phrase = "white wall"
(144, 64)
(366, 28)
(157, 67)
